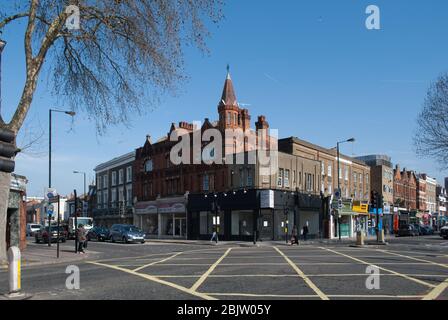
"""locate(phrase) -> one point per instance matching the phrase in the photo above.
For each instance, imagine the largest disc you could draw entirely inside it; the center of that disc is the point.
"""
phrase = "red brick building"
(160, 186)
(405, 189)
(421, 193)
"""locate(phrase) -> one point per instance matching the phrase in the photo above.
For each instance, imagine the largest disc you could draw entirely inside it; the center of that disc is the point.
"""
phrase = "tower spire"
(228, 94)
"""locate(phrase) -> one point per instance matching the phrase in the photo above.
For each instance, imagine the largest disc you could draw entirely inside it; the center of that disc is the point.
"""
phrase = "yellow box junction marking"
(157, 262)
(413, 258)
(437, 291)
(303, 276)
(381, 268)
(155, 279)
(209, 271)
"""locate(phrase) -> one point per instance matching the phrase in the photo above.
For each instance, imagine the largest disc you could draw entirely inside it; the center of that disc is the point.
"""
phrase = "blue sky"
(311, 67)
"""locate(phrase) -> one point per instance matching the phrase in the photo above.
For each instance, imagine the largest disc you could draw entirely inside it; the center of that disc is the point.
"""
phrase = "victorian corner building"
(238, 201)
(241, 201)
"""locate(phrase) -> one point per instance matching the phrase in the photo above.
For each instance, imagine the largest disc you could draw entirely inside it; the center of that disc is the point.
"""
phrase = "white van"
(32, 228)
(87, 222)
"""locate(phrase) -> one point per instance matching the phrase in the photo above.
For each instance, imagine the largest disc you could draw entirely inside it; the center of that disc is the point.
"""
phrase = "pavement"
(406, 269)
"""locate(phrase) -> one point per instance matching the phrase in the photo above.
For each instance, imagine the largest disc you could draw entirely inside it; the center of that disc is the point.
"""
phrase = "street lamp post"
(2, 46)
(84, 174)
(339, 182)
(71, 113)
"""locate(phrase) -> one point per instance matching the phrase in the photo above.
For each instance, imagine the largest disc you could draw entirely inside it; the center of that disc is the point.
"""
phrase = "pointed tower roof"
(228, 97)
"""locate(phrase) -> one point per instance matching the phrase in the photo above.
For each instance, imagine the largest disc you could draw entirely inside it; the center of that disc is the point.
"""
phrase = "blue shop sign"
(373, 211)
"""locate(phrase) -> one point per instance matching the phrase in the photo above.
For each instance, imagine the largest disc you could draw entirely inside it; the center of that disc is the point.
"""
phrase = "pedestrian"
(294, 238)
(305, 231)
(214, 235)
(81, 238)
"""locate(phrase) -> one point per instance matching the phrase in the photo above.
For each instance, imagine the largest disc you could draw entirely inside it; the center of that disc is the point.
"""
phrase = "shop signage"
(171, 207)
(267, 199)
(343, 206)
(146, 207)
(154, 207)
(360, 207)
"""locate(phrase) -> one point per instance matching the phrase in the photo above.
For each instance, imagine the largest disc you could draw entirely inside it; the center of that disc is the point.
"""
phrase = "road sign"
(50, 193)
(337, 194)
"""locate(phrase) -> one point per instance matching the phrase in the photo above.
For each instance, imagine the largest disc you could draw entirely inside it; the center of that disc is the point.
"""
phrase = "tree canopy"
(123, 56)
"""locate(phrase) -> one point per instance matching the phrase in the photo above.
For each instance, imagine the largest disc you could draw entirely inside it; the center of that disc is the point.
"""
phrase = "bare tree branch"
(9, 19)
(431, 138)
(123, 57)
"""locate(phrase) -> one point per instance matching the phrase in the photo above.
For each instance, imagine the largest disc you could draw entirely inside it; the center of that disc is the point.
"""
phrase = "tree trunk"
(5, 182)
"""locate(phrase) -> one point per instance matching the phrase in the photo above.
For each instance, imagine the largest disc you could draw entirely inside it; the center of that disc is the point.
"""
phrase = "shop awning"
(348, 213)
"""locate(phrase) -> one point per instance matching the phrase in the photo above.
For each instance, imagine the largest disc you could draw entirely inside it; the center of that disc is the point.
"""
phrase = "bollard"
(359, 238)
(381, 236)
(14, 271)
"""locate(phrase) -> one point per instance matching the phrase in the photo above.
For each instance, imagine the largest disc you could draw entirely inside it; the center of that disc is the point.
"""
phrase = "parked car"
(98, 233)
(444, 232)
(43, 235)
(427, 230)
(418, 228)
(32, 228)
(407, 231)
(126, 233)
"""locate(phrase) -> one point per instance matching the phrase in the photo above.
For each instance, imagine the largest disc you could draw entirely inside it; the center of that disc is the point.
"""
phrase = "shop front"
(163, 218)
(286, 220)
(344, 219)
(172, 217)
(362, 219)
(234, 215)
(388, 220)
(310, 212)
(146, 218)
(248, 215)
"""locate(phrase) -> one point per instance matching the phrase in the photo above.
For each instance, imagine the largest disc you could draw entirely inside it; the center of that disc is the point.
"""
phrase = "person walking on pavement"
(294, 238)
(81, 238)
(215, 235)
(305, 231)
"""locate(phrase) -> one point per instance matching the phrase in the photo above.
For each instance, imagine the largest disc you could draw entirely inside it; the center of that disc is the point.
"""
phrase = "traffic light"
(8, 150)
(380, 200)
(373, 199)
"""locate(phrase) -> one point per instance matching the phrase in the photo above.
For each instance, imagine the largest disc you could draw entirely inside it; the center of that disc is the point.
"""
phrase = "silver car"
(126, 233)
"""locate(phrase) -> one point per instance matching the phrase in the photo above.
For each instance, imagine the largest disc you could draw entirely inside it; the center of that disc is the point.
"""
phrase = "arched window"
(148, 165)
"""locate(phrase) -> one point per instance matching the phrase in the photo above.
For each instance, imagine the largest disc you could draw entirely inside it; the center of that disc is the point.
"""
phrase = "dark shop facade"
(248, 215)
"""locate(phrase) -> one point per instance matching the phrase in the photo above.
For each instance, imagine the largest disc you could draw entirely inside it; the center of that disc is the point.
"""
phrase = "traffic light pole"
(59, 224)
(49, 148)
(339, 194)
(76, 222)
(377, 218)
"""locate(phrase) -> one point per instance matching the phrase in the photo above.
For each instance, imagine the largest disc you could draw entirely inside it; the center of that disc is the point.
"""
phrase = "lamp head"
(2, 45)
(70, 113)
(351, 140)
